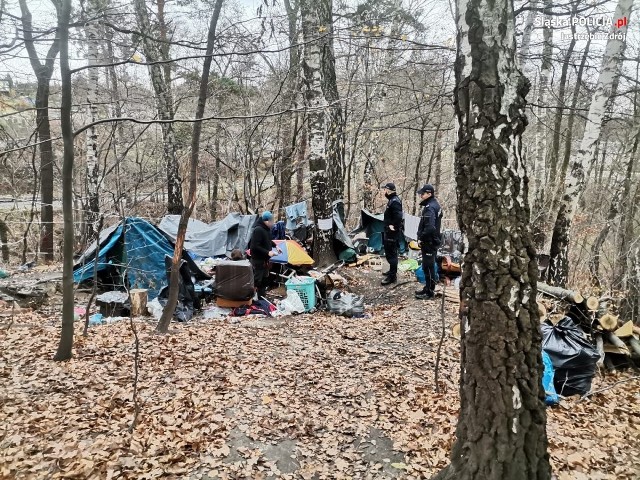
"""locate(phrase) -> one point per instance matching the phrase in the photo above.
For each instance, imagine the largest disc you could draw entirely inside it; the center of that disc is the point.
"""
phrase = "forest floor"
(307, 396)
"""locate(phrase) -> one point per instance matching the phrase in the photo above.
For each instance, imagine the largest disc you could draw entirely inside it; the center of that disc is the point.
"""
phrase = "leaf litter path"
(312, 396)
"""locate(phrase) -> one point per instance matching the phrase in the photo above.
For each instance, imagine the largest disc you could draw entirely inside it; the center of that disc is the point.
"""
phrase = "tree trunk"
(213, 204)
(290, 132)
(161, 81)
(316, 103)
(4, 241)
(594, 260)
(92, 31)
(334, 117)
(540, 129)
(572, 114)
(526, 34)
(557, 121)
(65, 347)
(169, 309)
(43, 74)
(576, 177)
(501, 429)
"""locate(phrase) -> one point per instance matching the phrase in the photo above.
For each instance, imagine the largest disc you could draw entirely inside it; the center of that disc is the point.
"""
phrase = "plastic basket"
(305, 287)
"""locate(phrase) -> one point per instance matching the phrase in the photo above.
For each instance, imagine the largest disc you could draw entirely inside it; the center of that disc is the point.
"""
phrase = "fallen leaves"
(313, 397)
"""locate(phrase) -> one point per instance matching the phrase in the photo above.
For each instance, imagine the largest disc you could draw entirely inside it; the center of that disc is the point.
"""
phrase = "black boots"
(423, 295)
(388, 280)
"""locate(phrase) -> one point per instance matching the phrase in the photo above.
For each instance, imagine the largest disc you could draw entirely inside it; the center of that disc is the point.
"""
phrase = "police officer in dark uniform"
(393, 218)
(429, 239)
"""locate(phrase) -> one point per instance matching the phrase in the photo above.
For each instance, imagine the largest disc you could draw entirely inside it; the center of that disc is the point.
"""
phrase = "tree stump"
(138, 298)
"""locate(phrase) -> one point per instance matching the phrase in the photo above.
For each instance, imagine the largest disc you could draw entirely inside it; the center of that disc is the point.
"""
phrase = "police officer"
(393, 218)
(429, 239)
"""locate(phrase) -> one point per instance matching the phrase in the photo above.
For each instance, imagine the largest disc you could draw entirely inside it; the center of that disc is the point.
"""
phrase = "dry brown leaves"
(313, 396)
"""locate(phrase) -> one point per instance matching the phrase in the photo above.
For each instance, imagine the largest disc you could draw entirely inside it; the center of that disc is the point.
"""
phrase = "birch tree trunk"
(576, 177)
(526, 34)
(540, 130)
(317, 128)
(92, 32)
(43, 72)
(501, 428)
(377, 109)
(161, 81)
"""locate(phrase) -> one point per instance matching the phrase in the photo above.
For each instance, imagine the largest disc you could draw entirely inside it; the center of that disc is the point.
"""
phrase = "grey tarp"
(214, 239)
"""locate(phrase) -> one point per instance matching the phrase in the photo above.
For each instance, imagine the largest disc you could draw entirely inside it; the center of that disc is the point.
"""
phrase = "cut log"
(592, 303)
(600, 347)
(542, 311)
(561, 293)
(608, 321)
(635, 345)
(616, 342)
(455, 331)
(625, 330)
(138, 298)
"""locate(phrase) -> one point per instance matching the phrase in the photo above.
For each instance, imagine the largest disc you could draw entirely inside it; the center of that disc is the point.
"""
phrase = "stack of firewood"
(595, 315)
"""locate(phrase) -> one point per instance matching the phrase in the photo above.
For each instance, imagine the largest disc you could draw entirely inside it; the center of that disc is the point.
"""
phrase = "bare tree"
(167, 313)
(43, 72)
(161, 81)
(65, 347)
(317, 113)
(576, 177)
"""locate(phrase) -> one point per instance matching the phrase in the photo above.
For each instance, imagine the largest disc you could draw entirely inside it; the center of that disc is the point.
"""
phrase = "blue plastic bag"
(547, 381)
(420, 274)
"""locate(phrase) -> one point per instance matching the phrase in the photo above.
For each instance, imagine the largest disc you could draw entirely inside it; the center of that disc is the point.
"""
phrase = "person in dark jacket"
(261, 246)
(393, 218)
(429, 239)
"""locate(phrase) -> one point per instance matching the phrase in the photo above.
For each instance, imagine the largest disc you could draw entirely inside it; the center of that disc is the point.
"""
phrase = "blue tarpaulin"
(136, 249)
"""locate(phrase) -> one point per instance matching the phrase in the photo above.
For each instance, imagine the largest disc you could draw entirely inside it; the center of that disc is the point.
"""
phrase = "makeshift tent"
(133, 248)
(373, 226)
(292, 253)
(215, 239)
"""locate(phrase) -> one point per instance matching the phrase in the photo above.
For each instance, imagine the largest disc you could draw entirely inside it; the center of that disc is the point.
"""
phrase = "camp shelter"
(373, 226)
(214, 239)
(133, 249)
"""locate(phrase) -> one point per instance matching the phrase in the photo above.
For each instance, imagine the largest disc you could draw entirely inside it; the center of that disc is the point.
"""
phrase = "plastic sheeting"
(214, 239)
(345, 304)
(373, 226)
(551, 397)
(134, 248)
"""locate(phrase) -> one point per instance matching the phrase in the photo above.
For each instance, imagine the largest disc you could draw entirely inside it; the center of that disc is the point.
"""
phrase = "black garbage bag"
(188, 300)
(574, 358)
